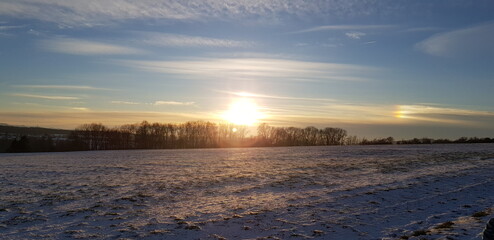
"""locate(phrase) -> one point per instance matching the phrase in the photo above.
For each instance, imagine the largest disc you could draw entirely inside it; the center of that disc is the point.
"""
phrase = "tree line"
(293, 136)
(196, 134)
(201, 134)
(446, 141)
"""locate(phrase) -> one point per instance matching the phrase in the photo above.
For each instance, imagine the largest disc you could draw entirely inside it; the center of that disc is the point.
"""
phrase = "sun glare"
(242, 112)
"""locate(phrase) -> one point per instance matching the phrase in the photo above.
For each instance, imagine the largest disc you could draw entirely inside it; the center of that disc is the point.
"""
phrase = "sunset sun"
(242, 112)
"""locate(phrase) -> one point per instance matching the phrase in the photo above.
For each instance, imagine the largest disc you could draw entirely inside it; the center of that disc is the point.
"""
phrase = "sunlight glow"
(242, 112)
(403, 112)
(245, 94)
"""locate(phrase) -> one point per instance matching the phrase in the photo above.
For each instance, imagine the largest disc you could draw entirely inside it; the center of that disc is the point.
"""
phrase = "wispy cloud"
(255, 69)
(96, 12)
(156, 103)
(255, 95)
(177, 40)
(44, 96)
(343, 28)
(67, 87)
(335, 112)
(80, 108)
(174, 103)
(91, 13)
(30, 106)
(444, 115)
(125, 102)
(420, 29)
(84, 47)
(355, 35)
(71, 118)
(358, 113)
(466, 42)
(4, 28)
(406, 110)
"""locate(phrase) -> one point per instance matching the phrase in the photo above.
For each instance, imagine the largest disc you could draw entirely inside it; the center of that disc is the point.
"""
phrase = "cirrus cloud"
(90, 13)
(85, 47)
(124, 102)
(343, 27)
(174, 103)
(255, 69)
(64, 87)
(44, 96)
(471, 41)
(178, 40)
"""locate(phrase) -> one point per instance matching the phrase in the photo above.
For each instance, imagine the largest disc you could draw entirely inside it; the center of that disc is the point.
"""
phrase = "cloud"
(425, 109)
(255, 95)
(174, 103)
(320, 112)
(343, 28)
(254, 69)
(124, 102)
(4, 28)
(355, 35)
(84, 47)
(385, 114)
(156, 103)
(71, 118)
(67, 87)
(381, 120)
(90, 13)
(80, 108)
(442, 115)
(467, 42)
(44, 97)
(176, 40)
(421, 29)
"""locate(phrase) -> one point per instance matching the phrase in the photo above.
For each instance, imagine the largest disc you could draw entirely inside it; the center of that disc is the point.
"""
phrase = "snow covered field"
(347, 192)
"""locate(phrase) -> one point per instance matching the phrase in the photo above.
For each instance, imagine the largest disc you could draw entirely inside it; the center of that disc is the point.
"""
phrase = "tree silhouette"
(201, 134)
(21, 145)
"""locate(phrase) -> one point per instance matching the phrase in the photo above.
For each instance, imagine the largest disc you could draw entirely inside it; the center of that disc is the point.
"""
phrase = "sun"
(242, 111)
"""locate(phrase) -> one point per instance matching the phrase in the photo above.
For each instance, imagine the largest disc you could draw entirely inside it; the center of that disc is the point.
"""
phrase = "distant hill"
(21, 130)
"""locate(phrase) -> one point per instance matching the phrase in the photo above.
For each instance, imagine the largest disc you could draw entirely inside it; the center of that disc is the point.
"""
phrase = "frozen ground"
(356, 192)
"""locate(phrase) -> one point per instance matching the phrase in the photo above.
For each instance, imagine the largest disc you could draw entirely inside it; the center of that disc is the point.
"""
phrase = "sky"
(376, 68)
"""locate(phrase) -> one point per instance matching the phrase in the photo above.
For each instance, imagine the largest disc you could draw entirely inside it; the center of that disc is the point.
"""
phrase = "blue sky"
(375, 68)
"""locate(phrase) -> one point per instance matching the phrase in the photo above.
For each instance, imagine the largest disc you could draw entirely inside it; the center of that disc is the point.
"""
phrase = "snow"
(343, 192)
